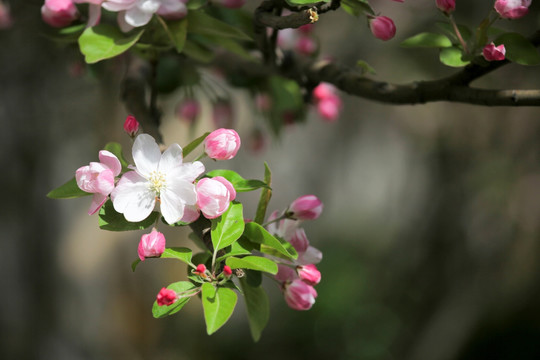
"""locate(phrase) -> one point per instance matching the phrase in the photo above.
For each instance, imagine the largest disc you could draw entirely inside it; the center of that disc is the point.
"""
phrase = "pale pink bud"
(299, 295)
(512, 9)
(227, 271)
(131, 125)
(214, 196)
(285, 273)
(188, 110)
(59, 13)
(222, 144)
(172, 9)
(329, 108)
(201, 269)
(446, 6)
(323, 91)
(299, 241)
(309, 274)
(98, 178)
(151, 245)
(231, 4)
(6, 21)
(382, 27)
(307, 207)
(222, 114)
(166, 297)
(494, 53)
(306, 45)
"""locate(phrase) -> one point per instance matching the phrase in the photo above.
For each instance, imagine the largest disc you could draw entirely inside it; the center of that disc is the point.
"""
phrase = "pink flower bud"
(214, 196)
(231, 4)
(494, 53)
(330, 108)
(151, 245)
(6, 21)
(299, 295)
(227, 270)
(309, 274)
(299, 241)
(201, 268)
(222, 144)
(307, 207)
(323, 91)
(189, 110)
(131, 125)
(512, 9)
(172, 9)
(285, 274)
(59, 13)
(446, 6)
(98, 178)
(222, 114)
(382, 27)
(166, 297)
(306, 46)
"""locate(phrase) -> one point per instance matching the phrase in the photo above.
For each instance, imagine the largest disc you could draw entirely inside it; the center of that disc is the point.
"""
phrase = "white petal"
(146, 154)
(118, 5)
(110, 160)
(171, 158)
(138, 17)
(187, 171)
(133, 198)
(175, 197)
(311, 256)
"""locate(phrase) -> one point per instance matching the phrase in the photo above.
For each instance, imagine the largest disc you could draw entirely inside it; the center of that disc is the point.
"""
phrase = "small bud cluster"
(327, 101)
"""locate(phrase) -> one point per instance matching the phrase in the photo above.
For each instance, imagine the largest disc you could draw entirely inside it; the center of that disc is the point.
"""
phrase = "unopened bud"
(131, 125)
(227, 270)
(166, 297)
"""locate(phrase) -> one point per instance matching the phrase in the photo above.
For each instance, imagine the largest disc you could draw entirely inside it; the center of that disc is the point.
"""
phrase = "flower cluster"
(327, 101)
(298, 277)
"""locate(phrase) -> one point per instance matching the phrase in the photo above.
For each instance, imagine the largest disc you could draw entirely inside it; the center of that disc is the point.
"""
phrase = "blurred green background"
(430, 231)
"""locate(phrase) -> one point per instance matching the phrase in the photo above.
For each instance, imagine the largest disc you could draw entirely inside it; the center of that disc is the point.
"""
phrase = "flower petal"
(146, 154)
(170, 159)
(111, 161)
(311, 256)
(175, 197)
(133, 198)
(136, 16)
(187, 171)
(97, 202)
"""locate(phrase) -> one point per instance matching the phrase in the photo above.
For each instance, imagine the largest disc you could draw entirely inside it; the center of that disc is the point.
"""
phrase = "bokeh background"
(430, 232)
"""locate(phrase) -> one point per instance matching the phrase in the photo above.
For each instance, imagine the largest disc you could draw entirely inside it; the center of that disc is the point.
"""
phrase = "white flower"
(157, 176)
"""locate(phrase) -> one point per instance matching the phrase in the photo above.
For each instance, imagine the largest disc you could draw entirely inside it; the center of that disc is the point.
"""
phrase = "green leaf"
(177, 31)
(519, 49)
(366, 68)
(452, 57)
(193, 145)
(197, 51)
(257, 306)
(69, 190)
(357, 7)
(178, 287)
(180, 253)
(227, 228)
(259, 235)
(196, 4)
(240, 184)
(218, 305)
(111, 220)
(104, 41)
(253, 263)
(426, 39)
(203, 24)
(116, 149)
(264, 199)
(241, 247)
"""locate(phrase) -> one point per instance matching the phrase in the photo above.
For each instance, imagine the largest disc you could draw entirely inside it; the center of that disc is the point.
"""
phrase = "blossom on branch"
(446, 6)
(151, 245)
(494, 53)
(166, 297)
(382, 27)
(512, 9)
(157, 177)
(222, 144)
(299, 295)
(214, 196)
(59, 13)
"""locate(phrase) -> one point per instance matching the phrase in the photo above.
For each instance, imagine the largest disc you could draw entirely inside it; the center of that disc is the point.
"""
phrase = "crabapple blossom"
(512, 9)
(327, 101)
(382, 27)
(201, 269)
(214, 196)
(156, 176)
(98, 178)
(307, 207)
(166, 297)
(222, 144)
(446, 6)
(299, 295)
(285, 273)
(59, 13)
(309, 274)
(173, 9)
(227, 271)
(131, 125)
(494, 53)
(151, 245)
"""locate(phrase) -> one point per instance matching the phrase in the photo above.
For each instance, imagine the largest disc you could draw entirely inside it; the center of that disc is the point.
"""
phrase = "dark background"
(430, 231)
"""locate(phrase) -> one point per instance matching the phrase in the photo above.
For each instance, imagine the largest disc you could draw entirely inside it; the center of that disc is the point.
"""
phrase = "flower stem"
(458, 33)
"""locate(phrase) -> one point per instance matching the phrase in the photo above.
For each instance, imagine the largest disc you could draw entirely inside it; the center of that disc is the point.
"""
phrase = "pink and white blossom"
(151, 245)
(299, 295)
(382, 27)
(59, 13)
(166, 297)
(307, 207)
(156, 176)
(98, 178)
(494, 53)
(512, 9)
(214, 196)
(309, 274)
(222, 144)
